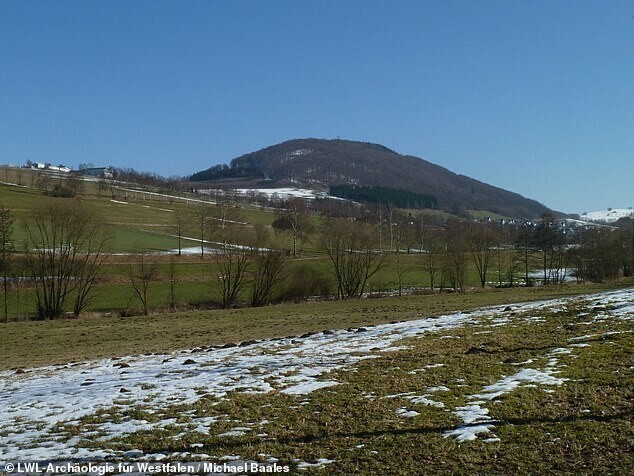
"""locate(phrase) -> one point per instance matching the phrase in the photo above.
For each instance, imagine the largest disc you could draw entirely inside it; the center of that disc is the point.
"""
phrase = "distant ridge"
(321, 164)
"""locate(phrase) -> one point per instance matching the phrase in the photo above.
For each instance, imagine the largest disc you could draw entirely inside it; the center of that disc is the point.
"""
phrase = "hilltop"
(348, 165)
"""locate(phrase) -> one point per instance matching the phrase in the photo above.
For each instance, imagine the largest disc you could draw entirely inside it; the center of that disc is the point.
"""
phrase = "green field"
(148, 225)
(107, 336)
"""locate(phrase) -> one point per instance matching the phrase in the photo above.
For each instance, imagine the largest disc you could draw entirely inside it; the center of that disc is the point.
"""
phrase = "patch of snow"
(425, 400)
(405, 413)
(491, 440)
(584, 337)
(283, 192)
(604, 334)
(440, 388)
(397, 395)
(529, 361)
(561, 350)
(133, 454)
(320, 463)
(472, 413)
(417, 399)
(34, 405)
(476, 417)
(308, 387)
(229, 458)
(470, 432)
(238, 431)
(508, 384)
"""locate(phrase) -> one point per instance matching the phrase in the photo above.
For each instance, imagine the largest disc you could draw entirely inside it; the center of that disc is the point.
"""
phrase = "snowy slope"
(36, 405)
(608, 216)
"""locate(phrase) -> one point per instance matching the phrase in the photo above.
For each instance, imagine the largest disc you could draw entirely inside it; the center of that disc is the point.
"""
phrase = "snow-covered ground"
(608, 216)
(562, 275)
(284, 192)
(35, 406)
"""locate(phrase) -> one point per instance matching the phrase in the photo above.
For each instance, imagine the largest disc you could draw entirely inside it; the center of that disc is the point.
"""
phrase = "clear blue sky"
(533, 96)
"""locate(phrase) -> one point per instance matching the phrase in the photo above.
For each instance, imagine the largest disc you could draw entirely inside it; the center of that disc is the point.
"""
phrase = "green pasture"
(197, 279)
(109, 335)
(134, 226)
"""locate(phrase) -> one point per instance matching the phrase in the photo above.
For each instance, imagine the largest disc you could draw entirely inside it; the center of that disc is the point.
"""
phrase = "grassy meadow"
(140, 222)
(87, 338)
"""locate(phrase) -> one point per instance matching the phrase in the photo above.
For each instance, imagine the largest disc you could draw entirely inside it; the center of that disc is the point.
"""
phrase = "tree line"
(65, 250)
(393, 197)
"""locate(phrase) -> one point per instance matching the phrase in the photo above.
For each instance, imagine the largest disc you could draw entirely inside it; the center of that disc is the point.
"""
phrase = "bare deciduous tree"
(6, 248)
(482, 241)
(401, 237)
(232, 259)
(455, 255)
(551, 242)
(293, 219)
(89, 267)
(142, 274)
(433, 250)
(599, 254)
(63, 245)
(232, 264)
(523, 244)
(351, 249)
(505, 261)
(179, 223)
(202, 215)
(268, 267)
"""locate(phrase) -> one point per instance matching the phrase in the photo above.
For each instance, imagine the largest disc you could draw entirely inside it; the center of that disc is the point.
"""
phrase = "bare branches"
(353, 255)
(6, 248)
(268, 267)
(89, 267)
(142, 275)
(232, 265)
(64, 249)
(294, 219)
(482, 241)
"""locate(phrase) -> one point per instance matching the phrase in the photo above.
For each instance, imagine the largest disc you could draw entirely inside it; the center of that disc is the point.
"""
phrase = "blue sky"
(533, 96)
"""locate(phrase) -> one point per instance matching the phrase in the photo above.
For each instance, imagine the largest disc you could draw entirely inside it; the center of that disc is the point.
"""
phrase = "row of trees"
(237, 268)
(65, 253)
(603, 254)
(500, 254)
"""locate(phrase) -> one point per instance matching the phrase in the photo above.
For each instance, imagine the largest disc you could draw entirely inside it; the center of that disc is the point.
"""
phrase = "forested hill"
(320, 163)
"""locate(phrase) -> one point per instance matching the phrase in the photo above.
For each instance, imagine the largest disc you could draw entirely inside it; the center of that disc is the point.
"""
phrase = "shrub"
(304, 281)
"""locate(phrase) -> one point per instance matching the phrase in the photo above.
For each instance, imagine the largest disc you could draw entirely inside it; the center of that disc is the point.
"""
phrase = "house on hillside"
(60, 168)
(99, 172)
(46, 166)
